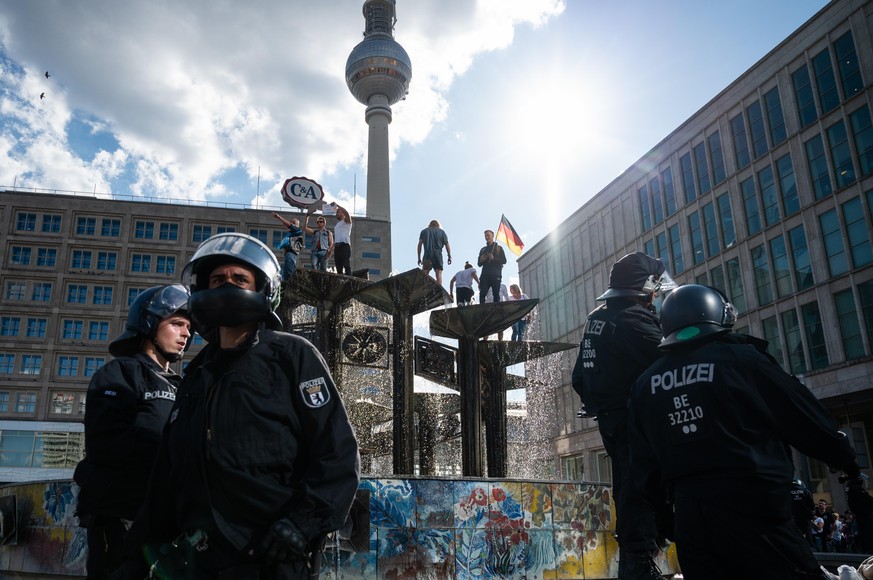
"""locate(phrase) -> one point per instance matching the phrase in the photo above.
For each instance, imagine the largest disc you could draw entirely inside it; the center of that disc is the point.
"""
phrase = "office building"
(766, 193)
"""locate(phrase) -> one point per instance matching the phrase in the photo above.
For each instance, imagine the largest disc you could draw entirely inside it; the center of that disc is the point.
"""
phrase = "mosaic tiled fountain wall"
(405, 528)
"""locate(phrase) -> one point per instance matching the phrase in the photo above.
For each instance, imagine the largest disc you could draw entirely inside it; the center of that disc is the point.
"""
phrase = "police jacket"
(620, 340)
(128, 402)
(717, 419)
(258, 433)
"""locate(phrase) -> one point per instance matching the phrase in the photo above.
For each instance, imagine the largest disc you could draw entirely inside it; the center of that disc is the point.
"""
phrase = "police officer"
(128, 402)
(714, 419)
(619, 341)
(258, 461)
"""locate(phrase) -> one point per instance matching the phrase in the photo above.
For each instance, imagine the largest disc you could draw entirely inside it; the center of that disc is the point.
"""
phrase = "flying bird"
(47, 75)
(42, 96)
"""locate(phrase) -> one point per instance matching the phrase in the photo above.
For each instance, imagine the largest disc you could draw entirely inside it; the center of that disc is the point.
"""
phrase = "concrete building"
(71, 266)
(766, 193)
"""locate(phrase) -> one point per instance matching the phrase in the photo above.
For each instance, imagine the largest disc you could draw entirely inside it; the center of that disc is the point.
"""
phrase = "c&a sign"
(302, 192)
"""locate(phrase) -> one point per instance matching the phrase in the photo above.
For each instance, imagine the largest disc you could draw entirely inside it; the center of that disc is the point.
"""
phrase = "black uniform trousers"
(636, 519)
(708, 534)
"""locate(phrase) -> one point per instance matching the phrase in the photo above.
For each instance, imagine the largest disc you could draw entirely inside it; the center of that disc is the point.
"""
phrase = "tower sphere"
(378, 65)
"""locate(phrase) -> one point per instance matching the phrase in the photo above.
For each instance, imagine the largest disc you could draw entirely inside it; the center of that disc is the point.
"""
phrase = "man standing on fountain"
(258, 461)
(491, 260)
(619, 341)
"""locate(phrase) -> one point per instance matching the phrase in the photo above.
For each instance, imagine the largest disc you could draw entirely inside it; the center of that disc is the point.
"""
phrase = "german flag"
(507, 234)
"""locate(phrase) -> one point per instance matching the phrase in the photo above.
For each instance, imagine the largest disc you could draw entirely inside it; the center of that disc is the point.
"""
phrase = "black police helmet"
(693, 312)
(148, 309)
(635, 274)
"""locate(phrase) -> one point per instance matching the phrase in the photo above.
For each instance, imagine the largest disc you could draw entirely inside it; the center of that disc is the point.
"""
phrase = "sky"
(522, 108)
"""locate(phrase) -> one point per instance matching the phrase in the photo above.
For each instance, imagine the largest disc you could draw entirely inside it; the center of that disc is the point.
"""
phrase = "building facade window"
(787, 185)
(7, 365)
(862, 130)
(81, 259)
(703, 182)
(750, 206)
(815, 339)
(10, 326)
(669, 191)
(687, 169)
(66, 403)
(20, 256)
(841, 155)
(31, 364)
(110, 228)
(657, 200)
(781, 268)
(169, 232)
(775, 118)
(42, 292)
(819, 173)
(371, 255)
(710, 230)
(91, 365)
(804, 96)
(828, 97)
(77, 294)
(726, 219)
(838, 263)
(676, 247)
(662, 248)
(200, 233)
(848, 66)
(756, 129)
(850, 326)
(645, 210)
(98, 330)
(25, 222)
(165, 265)
(25, 403)
(735, 288)
(800, 253)
(68, 366)
(36, 327)
(793, 341)
(102, 295)
(770, 330)
(16, 290)
(741, 142)
(695, 231)
(86, 226)
(865, 295)
(144, 230)
(259, 234)
(141, 263)
(107, 261)
(51, 223)
(769, 196)
(857, 233)
(716, 158)
(46, 257)
(72, 329)
(761, 271)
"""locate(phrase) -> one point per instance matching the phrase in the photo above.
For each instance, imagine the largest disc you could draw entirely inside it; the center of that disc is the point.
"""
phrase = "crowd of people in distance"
(827, 530)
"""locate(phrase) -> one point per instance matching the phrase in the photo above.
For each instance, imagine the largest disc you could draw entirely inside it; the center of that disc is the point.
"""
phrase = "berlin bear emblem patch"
(315, 393)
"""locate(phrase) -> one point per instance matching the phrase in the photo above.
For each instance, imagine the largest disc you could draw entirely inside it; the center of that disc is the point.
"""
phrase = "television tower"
(378, 72)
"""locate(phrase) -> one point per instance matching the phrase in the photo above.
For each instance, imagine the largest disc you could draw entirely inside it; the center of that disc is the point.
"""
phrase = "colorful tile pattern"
(418, 529)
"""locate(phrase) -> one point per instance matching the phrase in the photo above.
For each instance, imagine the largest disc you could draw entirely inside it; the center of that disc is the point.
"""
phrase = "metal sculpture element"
(494, 357)
(327, 292)
(467, 324)
(403, 296)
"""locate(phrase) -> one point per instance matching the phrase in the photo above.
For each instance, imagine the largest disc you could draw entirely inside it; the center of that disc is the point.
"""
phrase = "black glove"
(284, 540)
